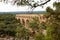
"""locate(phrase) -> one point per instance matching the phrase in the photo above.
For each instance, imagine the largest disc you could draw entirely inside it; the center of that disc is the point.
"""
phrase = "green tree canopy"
(8, 24)
(53, 22)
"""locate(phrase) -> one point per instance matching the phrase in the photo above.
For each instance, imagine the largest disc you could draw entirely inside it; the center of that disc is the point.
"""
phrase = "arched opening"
(40, 17)
(19, 21)
(23, 22)
(27, 21)
(43, 17)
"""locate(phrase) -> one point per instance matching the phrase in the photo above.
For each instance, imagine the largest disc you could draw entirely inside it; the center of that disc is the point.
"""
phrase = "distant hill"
(24, 12)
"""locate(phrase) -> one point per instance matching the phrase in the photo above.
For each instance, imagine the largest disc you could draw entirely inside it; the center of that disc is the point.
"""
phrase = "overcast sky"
(10, 8)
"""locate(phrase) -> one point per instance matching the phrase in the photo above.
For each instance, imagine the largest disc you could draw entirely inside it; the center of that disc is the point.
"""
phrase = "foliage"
(36, 27)
(22, 33)
(31, 3)
(38, 36)
(8, 24)
(53, 22)
(34, 24)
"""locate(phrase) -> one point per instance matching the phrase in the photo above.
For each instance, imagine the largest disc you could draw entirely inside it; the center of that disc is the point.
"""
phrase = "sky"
(13, 8)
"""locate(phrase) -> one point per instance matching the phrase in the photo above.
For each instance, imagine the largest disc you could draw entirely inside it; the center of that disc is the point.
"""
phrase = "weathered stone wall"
(28, 17)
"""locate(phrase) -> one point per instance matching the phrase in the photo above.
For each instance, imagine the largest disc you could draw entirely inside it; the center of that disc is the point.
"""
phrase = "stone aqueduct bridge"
(24, 18)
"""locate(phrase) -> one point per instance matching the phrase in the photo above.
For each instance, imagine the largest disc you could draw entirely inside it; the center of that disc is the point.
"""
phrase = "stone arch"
(19, 20)
(40, 17)
(23, 21)
(27, 21)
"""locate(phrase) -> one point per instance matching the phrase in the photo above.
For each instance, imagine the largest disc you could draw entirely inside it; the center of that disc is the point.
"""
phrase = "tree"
(31, 3)
(22, 33)
(34, 24)
(38, 36)
(8, 24)
(53, 22)
(36, 28)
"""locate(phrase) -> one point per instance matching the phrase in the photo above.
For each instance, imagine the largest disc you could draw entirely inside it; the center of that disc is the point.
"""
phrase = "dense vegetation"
(9, 25)
(53, 22)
